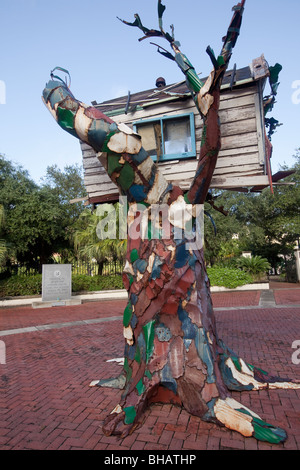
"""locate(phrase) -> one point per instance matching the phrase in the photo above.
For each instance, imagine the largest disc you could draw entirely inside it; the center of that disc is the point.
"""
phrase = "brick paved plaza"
(52, 355)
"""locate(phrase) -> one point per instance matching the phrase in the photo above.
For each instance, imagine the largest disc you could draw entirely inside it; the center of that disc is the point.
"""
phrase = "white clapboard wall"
(241, 161)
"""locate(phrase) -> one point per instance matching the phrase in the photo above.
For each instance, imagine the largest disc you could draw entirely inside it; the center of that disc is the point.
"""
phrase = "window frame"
(161, 119)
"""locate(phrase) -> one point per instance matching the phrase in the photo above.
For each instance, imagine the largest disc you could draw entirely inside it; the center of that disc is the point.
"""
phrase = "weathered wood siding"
(241, 160)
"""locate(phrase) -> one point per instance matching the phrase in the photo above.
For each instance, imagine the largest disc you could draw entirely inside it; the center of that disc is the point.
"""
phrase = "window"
(168, 137)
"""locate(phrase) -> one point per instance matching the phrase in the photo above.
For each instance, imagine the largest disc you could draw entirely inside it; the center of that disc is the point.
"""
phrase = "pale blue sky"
(105, 60)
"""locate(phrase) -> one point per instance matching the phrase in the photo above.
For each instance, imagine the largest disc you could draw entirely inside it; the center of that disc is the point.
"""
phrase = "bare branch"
(165, 53)
(233, 31)
(160, 8)
(152, 32)
(138, 23)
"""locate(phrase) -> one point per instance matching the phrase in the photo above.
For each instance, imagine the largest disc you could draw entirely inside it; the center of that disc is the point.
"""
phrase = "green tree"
(3, 248)
(267, 224)
(39, 219)
(68, 187)
(89, 245)
(222, 230)
(273, 219)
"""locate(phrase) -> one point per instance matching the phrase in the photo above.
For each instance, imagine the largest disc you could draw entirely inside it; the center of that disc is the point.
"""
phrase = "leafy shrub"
(256, 266)
(81, 282)
(32, 285)
(21, 285)
(228, 277)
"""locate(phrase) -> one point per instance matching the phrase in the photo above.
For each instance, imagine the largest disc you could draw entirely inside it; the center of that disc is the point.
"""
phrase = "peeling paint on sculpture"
(172, 350)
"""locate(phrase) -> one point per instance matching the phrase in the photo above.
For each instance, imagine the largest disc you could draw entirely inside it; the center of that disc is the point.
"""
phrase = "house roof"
(142, 99)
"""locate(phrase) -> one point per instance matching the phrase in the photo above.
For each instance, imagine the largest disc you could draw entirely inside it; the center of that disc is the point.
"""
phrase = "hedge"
(228, 277)
(32, 284)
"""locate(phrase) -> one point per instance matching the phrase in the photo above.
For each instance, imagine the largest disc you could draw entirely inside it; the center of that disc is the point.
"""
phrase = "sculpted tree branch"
(172, 349)
(206, 95)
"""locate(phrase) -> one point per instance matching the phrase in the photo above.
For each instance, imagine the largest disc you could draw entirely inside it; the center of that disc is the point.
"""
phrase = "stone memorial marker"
(56, 283)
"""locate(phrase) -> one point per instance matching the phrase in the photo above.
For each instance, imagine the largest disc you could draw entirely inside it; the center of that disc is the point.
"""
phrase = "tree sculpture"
(172, 349)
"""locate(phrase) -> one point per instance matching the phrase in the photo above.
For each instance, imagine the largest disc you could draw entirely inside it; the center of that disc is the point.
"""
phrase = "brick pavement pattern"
(287, 296)
(46, 401)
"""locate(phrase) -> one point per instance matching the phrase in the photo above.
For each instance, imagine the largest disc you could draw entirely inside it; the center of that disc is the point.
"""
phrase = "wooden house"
(171, 129)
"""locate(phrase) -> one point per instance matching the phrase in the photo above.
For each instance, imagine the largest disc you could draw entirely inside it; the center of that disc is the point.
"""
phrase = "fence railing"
(78, 267)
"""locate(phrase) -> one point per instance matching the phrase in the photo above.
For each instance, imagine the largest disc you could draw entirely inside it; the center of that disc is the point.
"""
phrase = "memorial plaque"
(56, 283)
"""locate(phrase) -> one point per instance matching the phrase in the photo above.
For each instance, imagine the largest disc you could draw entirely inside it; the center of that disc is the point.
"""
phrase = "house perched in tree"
(168, 121)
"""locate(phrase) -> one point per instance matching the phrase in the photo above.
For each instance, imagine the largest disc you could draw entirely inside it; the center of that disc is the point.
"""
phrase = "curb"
(120, 294)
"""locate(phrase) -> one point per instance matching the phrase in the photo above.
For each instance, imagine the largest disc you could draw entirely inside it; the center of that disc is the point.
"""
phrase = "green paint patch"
(140, 387)
(149, 332)
(236, 363)
(137, 356)
(185, 197)
(113, 164)
(134, 255)
(105, 147)
(264, 431)
(127, 314)
(127, 369)
(66, 119)
(126, 177)
(203, 138)
(268, 434)
(262, 371)
(220, 60)
(130, 414)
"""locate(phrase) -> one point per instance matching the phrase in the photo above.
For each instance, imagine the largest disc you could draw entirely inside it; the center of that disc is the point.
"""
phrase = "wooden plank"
(232, 128)
(96, 198)
(238, 127)
(238, 102)
(219, 182)
(185, 176)
(99, 178)
(105, 188)
(238, 151)
(95, 171)
(233, 144)
(91, 162)
(85, 146)
(260, 123)
(242, 169)
(235, 141)
(232, 100)
(233, 115)
(230, 161)
(88, 153)
(187, 165)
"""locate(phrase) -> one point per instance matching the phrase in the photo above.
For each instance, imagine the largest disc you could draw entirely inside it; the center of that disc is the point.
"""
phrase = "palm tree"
(256, 265)
(90, 246)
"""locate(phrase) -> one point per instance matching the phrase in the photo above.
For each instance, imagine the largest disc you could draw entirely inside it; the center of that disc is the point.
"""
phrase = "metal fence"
(78, 267)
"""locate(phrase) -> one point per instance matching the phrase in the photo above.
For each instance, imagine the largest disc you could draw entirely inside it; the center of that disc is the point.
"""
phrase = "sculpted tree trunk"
(172, 350)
